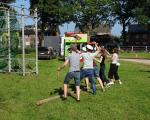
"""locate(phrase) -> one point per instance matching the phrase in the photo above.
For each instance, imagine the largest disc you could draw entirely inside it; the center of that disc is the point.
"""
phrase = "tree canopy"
(88, 14)
(53, 13)
(91, 14)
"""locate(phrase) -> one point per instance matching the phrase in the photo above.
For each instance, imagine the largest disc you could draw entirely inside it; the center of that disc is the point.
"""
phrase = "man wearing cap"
(87, 70)
(74, 70)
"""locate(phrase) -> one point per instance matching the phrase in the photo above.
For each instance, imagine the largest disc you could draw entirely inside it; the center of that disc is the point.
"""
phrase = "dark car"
(46, 53)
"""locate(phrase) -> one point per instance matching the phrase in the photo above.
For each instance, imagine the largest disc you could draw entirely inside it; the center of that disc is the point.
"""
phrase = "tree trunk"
(54, 30)
(124, 35)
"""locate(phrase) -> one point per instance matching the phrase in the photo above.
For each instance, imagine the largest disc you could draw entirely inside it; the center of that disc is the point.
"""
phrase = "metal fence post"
(146, 48)
(23, 41)
(132, 48)
(36, 40)
(9, 46)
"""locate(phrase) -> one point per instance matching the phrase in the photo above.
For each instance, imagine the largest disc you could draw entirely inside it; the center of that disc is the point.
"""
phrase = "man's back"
(74, 61)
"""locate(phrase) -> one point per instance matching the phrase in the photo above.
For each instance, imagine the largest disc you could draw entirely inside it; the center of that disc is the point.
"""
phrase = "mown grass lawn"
(129, 101)
(137, 55)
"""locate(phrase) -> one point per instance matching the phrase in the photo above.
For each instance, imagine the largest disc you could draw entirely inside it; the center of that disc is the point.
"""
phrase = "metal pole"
(9, 46)
(146, 48)
(23, 41)
(36, 41)
(132, 48)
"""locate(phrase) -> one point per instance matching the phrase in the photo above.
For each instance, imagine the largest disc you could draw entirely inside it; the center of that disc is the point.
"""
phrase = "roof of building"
(102, 29)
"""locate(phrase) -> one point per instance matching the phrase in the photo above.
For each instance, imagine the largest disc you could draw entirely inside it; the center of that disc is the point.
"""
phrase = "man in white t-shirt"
(87, 70)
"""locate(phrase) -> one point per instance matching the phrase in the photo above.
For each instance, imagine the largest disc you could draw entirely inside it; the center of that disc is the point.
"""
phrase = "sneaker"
(107, 86)
(120, 82)
(110, 83)
(64, 98)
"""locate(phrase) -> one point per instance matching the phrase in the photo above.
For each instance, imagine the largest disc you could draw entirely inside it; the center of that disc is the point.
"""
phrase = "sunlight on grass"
(129, 101)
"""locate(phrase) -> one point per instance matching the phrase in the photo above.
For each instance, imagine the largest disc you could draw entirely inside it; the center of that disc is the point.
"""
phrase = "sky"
(116, 29)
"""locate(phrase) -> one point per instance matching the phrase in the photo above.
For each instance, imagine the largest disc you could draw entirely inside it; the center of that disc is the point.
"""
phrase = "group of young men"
(88, 71)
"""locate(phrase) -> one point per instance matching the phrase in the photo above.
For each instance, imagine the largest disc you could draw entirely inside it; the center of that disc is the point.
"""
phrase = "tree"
(7, 1)
(52, 13)
(142, 12)
(122, 11)
(91, 14)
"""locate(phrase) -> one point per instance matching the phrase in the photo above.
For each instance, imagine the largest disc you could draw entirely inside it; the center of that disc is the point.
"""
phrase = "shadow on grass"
(59, 91)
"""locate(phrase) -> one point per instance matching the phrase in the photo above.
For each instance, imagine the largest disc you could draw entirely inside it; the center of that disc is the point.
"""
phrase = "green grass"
(138, 55)
(129, 101)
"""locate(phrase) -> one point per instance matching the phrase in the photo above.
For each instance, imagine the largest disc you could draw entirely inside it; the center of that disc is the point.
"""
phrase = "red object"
(70, 34)
(81, 59)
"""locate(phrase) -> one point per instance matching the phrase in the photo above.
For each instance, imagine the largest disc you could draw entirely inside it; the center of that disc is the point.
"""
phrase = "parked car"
(46, 53)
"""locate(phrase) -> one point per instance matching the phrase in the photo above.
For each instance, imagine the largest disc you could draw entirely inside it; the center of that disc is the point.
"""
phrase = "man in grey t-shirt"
(74, 70)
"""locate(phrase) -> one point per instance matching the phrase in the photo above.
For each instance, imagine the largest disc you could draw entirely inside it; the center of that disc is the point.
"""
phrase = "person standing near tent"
(113, 71)
(87, 70)
(74, 71)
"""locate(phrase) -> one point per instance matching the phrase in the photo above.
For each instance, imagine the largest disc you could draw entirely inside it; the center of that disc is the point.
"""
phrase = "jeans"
(75, 75)
(90, 74)
(96, 71)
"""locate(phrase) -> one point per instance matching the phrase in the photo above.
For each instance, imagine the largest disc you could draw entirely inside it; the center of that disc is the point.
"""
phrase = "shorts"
(75, 75)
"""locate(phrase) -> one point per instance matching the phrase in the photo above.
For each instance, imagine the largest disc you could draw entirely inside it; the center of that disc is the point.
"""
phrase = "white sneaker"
(111, 83)
(120, 82)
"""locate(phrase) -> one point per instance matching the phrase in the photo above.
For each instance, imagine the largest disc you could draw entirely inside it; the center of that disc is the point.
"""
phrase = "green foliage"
(53, 13)
(142, 12)
(7, 1)
(122, 11)
(91, 14)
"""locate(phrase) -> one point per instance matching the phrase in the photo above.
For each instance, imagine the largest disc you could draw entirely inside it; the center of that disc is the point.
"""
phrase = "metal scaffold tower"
(18, 39)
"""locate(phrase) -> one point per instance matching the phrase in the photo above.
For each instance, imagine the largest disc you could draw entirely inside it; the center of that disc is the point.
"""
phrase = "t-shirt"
(114, 58)
(88, 59)
(103, 60)
(74, 61)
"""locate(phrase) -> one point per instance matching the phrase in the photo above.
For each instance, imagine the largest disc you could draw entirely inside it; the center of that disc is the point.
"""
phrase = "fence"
(135, 48)
(13, 55)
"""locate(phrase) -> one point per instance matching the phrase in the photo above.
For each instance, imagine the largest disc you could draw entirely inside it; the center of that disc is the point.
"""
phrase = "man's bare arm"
(63, 65)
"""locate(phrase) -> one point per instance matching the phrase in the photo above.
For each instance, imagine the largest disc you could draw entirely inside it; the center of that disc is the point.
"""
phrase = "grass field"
(138, 55)
(129, 101)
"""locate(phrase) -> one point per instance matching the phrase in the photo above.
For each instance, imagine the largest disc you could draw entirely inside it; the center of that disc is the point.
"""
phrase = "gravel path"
(143, 61)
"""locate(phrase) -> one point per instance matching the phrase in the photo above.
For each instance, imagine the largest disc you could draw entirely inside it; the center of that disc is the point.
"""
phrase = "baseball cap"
(89, 47)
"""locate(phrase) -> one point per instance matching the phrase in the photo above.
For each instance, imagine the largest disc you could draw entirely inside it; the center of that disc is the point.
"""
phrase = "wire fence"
(15, 40)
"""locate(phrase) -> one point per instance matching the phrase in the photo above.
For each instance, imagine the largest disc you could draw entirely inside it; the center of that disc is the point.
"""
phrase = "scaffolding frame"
(23, 16)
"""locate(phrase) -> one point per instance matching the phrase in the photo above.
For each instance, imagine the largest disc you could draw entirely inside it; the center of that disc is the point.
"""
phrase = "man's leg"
(87, 83)
(66, 81)
(77, 79)
(78, 92)
(96, 74)
(65, 90)
(100, 83)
